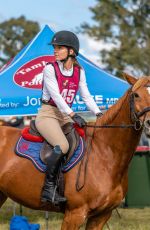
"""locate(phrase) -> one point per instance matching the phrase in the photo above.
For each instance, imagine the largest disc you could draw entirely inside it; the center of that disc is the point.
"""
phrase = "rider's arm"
(51, 89)
(85, 94)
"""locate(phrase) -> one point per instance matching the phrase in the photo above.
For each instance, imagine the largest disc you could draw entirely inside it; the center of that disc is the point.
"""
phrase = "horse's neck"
(121, 142)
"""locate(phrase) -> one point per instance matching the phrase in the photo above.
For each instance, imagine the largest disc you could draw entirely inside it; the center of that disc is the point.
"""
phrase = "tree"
(126, 25)
(14, 35)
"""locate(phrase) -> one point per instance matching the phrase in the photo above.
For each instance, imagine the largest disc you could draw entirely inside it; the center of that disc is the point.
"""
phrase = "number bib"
(68, 86)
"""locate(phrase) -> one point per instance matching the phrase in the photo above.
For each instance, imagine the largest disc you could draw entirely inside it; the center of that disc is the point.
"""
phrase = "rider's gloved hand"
(79, 120)
(100, 114)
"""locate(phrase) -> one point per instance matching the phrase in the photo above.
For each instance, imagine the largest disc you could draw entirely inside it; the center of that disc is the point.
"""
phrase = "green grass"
(131, 219)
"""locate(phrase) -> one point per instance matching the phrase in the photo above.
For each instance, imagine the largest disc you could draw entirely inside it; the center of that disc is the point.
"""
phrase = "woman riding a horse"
(62, 79)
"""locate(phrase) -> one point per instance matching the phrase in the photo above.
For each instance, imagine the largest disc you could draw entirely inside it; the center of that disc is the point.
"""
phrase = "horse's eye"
(136, 95)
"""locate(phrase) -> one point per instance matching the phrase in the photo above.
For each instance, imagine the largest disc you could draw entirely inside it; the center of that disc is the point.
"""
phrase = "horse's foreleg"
(74, 219)
(97, 222)
(3, 198)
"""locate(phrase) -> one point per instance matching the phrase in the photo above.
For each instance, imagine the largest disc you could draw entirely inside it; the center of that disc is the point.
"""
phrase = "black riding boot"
(49, 192)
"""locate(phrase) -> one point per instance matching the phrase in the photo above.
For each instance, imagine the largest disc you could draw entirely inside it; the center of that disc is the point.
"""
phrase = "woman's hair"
(76, 63)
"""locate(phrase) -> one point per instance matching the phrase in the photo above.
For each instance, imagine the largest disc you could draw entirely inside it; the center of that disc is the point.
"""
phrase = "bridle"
(137, 124)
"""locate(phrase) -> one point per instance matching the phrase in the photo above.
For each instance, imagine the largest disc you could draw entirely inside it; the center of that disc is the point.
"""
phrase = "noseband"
(138, 124)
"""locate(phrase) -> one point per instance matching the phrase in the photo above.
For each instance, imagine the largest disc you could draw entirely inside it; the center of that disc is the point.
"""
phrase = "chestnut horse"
(111, 143)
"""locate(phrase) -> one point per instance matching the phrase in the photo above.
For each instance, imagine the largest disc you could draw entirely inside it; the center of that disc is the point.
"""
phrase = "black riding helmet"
(66, 38)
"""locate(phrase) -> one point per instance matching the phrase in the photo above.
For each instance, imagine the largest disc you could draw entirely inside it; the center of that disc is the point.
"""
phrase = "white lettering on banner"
(111, 100)
(8, 104)
(32, 101)
(81, 108)
(4, 105)
(99, 99)
(14, 104)
(36, 66)
(23, 83)
(37, 80)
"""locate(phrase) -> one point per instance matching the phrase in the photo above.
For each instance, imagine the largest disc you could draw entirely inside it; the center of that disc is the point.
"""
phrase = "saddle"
(31, 145)
(70, 133)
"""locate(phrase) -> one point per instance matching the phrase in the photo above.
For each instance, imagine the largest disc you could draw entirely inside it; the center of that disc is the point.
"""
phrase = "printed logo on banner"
(30, 74)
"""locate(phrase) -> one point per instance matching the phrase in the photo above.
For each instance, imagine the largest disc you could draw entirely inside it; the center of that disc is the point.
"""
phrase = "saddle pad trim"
(29, 157)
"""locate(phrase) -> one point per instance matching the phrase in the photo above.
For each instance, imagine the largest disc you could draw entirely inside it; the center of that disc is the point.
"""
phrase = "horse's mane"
(112, 111)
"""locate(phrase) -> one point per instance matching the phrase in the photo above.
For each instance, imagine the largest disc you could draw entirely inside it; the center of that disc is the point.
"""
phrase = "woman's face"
(60, 52)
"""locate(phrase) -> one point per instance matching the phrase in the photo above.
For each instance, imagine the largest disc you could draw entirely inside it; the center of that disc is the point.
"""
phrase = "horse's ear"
(130, 79)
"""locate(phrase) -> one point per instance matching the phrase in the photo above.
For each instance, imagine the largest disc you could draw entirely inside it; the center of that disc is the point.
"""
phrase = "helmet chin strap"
(68, 56)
